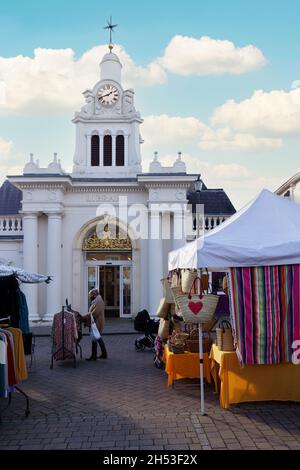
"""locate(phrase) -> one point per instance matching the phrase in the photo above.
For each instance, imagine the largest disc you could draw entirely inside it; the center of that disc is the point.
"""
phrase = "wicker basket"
(192, 345)
(176, 348)
(187, 279)
(167, 291)
(224, 337)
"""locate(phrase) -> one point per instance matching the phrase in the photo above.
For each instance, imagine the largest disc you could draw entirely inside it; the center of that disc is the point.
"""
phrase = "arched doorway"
(108, 265)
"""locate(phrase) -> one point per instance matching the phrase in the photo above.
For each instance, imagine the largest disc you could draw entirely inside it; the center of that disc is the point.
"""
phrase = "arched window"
(107, 150)
(120, 150)
(95, 150)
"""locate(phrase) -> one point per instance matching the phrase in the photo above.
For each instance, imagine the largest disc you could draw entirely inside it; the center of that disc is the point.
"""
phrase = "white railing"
(11, 225)
(209, 222)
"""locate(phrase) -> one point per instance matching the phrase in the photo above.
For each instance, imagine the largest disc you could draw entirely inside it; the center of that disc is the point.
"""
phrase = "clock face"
(108, 95)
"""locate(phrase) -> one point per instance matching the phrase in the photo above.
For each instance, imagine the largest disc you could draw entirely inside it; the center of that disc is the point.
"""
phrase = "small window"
(120, 150)
(107, 150)
(95, 150)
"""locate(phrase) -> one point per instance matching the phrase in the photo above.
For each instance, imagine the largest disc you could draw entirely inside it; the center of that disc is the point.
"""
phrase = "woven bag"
(163, 310)
(197, 308)
(164, 328)
(187, 279)
(224, 336)
(167, 291)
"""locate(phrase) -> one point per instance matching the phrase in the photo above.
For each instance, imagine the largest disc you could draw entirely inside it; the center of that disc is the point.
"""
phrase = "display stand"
(63, 349)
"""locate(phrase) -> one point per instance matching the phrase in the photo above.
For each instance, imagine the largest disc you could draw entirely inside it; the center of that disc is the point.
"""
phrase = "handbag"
(224, 336)
(197, 308)
(163, 310)
(94, 332)
(187, 279)
(164, 328)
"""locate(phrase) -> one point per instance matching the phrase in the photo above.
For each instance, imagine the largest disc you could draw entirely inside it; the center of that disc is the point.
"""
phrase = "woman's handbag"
(187, 279)
(163, 310)
(197, 308)
(94, 332)
(164, 328)
(224, 336)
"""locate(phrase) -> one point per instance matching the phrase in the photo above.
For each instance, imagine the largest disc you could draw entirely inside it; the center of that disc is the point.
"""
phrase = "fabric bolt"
(64, 335)
(23, 311)
(236, 384)
(265, 312)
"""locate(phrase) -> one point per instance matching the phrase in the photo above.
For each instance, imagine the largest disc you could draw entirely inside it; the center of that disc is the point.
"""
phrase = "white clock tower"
(107, 127)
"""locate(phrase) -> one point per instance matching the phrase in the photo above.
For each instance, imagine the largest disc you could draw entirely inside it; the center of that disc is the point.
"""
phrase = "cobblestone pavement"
(124, 403)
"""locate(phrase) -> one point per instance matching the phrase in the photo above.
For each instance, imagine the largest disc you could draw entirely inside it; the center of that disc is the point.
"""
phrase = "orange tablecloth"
(253, 382)
(185, 366)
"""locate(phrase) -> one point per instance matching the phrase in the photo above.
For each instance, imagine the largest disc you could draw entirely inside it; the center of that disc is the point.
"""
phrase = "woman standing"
(97, 310)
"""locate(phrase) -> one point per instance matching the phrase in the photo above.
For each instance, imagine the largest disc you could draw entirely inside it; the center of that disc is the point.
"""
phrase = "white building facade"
(106, 224)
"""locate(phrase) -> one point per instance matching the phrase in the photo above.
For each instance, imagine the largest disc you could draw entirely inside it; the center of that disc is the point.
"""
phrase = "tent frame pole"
(201, 370)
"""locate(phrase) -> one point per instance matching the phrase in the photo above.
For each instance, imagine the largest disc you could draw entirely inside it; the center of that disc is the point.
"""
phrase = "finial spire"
(179, 156)
(155, 159)
(111, 28)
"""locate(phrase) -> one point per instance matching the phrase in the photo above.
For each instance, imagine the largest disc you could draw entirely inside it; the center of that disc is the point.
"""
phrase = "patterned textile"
(265, 304)
(64, 345)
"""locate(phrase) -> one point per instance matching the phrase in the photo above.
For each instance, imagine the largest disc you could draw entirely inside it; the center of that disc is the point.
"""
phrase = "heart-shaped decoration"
(195, 307)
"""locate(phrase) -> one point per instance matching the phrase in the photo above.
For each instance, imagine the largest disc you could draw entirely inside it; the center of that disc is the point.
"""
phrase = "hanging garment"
(23, 312)
(20, 360)
(64, 345)
(9, 305)
(3, 365)
(265, 312)
(11, 374)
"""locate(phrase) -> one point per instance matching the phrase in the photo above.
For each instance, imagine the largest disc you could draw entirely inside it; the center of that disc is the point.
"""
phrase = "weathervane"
(111, 27)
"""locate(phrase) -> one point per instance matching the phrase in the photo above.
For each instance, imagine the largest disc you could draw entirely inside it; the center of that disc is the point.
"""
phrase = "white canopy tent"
(265, 232)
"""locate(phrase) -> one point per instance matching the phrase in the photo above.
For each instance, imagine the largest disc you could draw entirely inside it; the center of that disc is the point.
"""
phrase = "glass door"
(125, 310)
(109, 287)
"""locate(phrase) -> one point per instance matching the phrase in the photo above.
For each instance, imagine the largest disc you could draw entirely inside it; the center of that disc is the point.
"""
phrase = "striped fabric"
(265, 312)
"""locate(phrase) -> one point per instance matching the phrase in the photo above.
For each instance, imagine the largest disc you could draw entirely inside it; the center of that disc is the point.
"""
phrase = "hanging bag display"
(197, 308)
(163, 310)
(167, 291)
(224, 336)
(187, 279)
(164, 329)
(94, 332)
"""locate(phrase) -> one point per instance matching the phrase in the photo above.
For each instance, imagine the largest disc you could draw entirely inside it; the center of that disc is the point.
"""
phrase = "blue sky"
(145, 30)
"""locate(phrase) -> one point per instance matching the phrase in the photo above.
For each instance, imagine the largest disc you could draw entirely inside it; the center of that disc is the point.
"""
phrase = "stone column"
(88, 149)
(113, 150)
(155, 262)
(101, 137)
(178, 230)
(54, 264)
(30, 261)
(126, 143)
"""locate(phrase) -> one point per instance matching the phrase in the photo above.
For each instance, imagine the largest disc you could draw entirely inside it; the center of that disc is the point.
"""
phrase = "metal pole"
(201, 370)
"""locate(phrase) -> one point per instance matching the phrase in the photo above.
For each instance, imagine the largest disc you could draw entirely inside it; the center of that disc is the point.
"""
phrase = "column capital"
(54, 214)
(30, 214)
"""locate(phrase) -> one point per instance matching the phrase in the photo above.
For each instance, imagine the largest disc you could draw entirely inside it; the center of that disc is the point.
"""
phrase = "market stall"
(259, 247)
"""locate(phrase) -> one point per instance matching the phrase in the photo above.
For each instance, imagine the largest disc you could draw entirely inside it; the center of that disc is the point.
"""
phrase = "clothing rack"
(17, 388)
(63, 348)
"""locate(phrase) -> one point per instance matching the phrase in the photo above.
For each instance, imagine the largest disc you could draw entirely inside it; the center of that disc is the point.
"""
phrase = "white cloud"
(185, 55)
(9, 163)
(54, 79)
(276, 111)
(226, 139)
(5, 147)
(164, 129)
